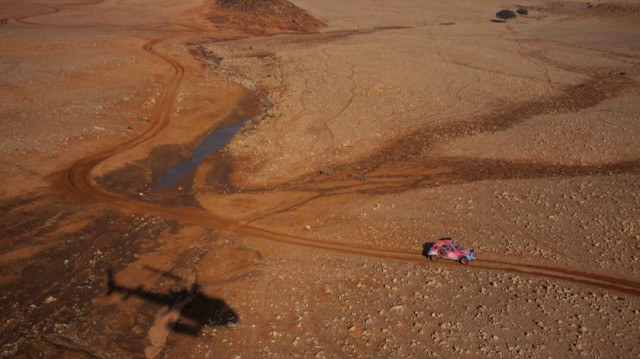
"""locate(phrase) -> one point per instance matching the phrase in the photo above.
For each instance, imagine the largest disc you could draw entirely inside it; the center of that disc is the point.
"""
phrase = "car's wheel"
(433, 257)
(464, 260)
(442, 253)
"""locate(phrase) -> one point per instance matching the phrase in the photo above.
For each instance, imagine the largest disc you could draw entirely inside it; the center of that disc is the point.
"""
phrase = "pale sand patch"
(161, 327)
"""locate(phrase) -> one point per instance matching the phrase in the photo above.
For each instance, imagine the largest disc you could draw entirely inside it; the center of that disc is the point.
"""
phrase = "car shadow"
(426, 247)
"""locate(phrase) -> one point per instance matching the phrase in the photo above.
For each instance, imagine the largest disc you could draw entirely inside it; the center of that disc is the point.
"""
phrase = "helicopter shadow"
(196, 309)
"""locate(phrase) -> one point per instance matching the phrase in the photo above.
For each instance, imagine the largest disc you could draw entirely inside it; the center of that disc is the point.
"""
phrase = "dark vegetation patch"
(207, 57)
(28, 218)
(263, 16)
(611, 10)
(506, 14)
(261, 54)
(47, 298)
(614, 10)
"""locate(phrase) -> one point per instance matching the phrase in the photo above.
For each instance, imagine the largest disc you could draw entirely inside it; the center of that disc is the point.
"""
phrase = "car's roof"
(445, 240)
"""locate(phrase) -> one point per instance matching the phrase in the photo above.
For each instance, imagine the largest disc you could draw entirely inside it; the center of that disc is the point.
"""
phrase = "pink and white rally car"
(449, 249)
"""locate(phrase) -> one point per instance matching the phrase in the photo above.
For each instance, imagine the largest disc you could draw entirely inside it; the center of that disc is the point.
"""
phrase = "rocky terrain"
(369, 130)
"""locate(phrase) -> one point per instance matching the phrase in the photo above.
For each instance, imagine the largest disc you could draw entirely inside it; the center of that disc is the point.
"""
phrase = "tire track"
(78, 182)
(205, 219)
(574, 275)
(53, 10)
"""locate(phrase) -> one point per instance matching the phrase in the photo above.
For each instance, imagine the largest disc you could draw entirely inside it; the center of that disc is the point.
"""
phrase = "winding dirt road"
(78, 181)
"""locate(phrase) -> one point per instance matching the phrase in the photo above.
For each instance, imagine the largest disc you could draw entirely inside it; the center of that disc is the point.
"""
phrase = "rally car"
(449, 249)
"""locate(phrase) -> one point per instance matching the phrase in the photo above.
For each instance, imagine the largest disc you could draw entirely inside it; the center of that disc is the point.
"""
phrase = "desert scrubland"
(366, 131)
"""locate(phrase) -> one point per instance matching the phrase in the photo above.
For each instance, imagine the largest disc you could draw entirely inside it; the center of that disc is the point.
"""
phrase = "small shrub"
(522, 12)
(506, 14)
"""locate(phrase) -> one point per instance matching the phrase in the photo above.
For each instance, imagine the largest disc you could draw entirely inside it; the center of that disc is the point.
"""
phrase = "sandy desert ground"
(367, 130)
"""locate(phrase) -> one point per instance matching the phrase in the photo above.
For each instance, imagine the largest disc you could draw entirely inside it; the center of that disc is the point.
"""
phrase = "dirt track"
(78, 181)
(179, 241)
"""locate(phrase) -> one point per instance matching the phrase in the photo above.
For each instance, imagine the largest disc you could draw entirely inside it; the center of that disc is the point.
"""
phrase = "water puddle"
(216, 140)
